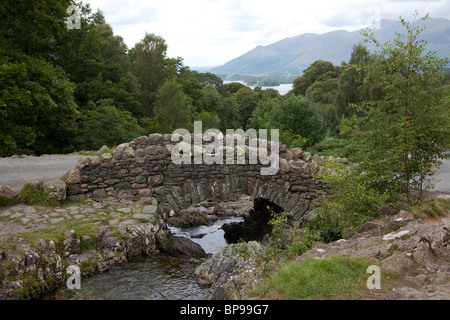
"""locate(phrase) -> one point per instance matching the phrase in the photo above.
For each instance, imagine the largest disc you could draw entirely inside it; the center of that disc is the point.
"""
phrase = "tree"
(228, 114)
(37, 107)
(211, 100)
(210, 78)
(172, 107)
(104, 124)
(408, 130)
(149, 69)
(353, 84)
(297, 118)
(246, 100)
(318, 70)
(33, 27)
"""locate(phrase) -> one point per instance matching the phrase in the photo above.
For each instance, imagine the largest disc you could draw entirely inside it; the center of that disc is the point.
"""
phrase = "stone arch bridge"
(144, 170)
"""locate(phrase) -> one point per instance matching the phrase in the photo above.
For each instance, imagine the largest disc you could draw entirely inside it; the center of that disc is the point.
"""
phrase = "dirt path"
(15, 172)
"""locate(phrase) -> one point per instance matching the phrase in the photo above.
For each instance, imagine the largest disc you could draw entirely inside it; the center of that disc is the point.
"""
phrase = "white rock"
(394, 235)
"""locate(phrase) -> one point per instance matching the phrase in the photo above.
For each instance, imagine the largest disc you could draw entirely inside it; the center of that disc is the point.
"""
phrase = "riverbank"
(411, 250)
(38, 244)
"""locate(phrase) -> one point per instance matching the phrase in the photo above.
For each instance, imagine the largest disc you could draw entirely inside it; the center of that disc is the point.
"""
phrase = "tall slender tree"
(408, 130)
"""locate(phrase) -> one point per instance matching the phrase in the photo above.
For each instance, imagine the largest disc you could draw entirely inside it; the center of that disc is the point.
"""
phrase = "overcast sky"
(212, 32)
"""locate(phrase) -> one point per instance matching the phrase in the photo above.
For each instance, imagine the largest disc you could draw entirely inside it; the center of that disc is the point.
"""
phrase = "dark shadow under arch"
(255, 225)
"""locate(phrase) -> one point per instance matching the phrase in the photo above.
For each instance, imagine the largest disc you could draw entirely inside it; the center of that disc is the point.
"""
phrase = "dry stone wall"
(143, 170)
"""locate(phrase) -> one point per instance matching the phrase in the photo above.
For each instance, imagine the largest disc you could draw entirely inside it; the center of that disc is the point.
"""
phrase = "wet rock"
(188, 218)
(228, 272)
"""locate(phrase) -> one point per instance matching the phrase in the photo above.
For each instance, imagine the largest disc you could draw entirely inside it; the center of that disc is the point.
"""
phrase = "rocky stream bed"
(125, 251)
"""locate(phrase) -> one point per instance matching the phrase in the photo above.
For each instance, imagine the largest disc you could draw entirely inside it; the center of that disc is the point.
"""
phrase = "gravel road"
(15, 172)
(443, 174)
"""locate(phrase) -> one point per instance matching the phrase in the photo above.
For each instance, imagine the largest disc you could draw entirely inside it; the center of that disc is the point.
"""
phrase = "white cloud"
(212, 32)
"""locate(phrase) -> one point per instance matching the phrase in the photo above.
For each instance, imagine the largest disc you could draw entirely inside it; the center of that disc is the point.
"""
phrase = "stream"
(155, 278)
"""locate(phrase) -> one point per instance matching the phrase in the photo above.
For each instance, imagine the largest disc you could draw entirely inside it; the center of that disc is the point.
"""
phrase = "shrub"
(348, 203)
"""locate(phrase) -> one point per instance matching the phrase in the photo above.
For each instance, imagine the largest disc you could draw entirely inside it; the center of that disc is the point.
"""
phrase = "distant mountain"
(293, 55)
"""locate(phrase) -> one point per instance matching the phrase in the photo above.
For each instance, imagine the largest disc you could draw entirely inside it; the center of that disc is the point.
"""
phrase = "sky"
(213, 32)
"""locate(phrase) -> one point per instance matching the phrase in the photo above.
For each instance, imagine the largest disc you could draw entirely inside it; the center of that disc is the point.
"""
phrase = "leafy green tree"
(317, 71)
(261, 115)
(353, 85)
(233, 87)
(210, 78)
(104, 124)
(173, 107)
(298, 118)
(246, 100)
(408, 131)
(149, 69)
(33, 27)
(323, 93)
(37, 107)
(229, 115)
(212, 100)
(209, 120)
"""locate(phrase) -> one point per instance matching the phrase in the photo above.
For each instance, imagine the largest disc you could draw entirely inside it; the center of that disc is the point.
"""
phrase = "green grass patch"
(5, 202)
(34, 195)
(90, 152)
(314, 279)
(431, 208)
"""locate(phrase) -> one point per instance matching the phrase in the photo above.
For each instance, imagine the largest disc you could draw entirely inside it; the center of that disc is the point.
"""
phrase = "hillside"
(293, 55)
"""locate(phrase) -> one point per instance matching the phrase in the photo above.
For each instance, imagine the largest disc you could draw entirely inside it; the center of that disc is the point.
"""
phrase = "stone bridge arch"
(143, 170)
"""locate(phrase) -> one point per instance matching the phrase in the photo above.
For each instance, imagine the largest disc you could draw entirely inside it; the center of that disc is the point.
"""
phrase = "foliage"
(353, 85)
(348, 203)
(34, 195)
(337, 147)
(406, 131)
(298, 116)
(32, 27)
(318, 71)
(286, 242)
(104, 124)
(37, 107)
(173, 109)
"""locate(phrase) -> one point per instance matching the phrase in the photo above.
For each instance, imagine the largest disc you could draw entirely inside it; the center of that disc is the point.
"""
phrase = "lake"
(282, 88)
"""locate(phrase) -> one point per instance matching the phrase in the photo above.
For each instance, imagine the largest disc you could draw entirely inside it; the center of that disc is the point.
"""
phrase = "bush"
(347, 204)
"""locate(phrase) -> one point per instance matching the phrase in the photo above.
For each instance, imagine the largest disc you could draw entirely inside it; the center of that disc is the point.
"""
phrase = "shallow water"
(156, 278)
(209, 237)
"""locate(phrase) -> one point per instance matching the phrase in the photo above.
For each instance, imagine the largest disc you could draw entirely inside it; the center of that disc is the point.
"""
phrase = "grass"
(35, 195)
(91, 153)
(314, 279)
(431, 208)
